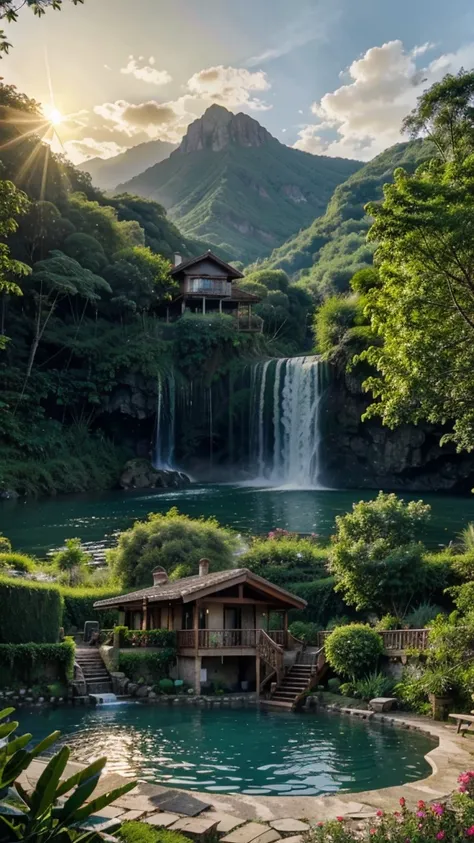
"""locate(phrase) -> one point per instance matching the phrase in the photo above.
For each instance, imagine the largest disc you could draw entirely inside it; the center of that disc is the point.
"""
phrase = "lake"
(38, 526)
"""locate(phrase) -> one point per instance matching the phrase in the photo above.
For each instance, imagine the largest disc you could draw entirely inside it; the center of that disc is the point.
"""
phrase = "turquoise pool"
(248, 751)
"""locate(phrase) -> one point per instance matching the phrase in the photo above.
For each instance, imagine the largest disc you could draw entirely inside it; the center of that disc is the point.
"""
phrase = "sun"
(52, 115)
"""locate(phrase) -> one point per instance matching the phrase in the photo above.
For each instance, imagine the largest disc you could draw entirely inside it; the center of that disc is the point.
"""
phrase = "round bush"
(353, 650)
(17, 562)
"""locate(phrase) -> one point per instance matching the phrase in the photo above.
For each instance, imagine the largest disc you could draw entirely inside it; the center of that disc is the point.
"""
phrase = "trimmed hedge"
(79, 608)
(30, 612)
(143, 664)
(323, 601)
(33, 664)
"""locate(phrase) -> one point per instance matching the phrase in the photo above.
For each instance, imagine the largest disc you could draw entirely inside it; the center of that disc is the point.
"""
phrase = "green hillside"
(239, 188)
(328, 253)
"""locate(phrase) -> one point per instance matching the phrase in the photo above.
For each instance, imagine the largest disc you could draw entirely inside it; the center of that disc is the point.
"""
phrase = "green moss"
(135, 832)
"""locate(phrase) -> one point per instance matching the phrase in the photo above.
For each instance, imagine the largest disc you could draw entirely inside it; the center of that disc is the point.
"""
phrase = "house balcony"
(239, 641)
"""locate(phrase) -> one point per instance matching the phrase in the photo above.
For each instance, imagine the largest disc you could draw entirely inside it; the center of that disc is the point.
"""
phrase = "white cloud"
(82, 150)
(165, 121)
(365, 115)
(230, 86)
(146, 72)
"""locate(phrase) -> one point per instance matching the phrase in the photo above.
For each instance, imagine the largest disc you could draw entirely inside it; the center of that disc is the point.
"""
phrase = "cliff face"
(367, 455)
(218, 128)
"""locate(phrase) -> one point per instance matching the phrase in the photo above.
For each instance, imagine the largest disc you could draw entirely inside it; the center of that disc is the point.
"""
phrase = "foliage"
(323, 602)
(351, 650)
(467, 539)
(422, 615)
(452, 823)
(304, 631)
(375, 558)
(135, 832)
(145, 638)
(166, 686)
(5, 544)
(32, 663)
(71, 561)
(168, 540)
(215, 195)
(370, 686)
(79, 607)
(17, 562)
(153, 666)
(42, 813)
(388, 622)
(286, 559)
(325, 256)
(30, 612)
(285, 308)
(334, 685)
(333, 319)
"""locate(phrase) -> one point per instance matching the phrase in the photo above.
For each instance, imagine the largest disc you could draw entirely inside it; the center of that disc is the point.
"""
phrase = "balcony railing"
(394, 640)
(213, 639)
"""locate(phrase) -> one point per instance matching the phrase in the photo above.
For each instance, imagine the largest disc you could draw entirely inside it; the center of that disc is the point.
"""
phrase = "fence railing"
(209, 639)
(394, 639)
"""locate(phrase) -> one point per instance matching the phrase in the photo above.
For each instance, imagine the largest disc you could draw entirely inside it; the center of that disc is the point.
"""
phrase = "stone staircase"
(96, 675)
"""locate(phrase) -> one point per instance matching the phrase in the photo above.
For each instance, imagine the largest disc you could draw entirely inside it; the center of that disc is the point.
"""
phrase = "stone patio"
(240, 818)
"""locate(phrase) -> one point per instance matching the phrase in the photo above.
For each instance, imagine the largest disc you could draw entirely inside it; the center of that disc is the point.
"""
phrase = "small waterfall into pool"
(165, 423)
(285, 438)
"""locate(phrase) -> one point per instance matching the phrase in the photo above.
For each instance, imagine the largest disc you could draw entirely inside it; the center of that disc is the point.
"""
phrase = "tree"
(13, 203)
(71, 562)
(9, 10)
(169, 541)
(139, 279)
(375, 556)
(353, 650)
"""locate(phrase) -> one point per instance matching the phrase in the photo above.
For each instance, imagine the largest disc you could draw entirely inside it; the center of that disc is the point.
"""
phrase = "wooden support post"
(203, 304)
(257, 674)
(220, 305)
(167, 314)
(285, 628)
(197, 675)
(183, 305)
(196, 628)
(249, 315)
(145, 614)
(241, 591)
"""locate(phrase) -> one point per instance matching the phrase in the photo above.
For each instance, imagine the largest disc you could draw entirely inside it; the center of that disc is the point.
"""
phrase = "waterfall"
(165, 423)
(286, 404)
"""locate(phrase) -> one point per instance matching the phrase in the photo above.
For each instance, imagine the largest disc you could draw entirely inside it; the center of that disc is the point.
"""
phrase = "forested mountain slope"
(328, 253)
(233, 184)
(107, 174)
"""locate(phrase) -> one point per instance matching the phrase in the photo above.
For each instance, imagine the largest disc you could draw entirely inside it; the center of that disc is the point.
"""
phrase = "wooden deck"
(396, 642)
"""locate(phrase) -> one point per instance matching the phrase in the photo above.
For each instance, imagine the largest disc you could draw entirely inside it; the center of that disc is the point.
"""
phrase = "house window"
(188, 617)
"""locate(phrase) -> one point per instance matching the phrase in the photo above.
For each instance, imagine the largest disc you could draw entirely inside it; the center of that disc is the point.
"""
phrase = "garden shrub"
(71, 562)
(353, 650)
(373, 685)
(31, 664)
(375, 556)
(151, 666)
(5, 544)
(166, 686)
(422, 615)
(17, 562)
(388, 622)
(323, 602)
(79, 607)
(145, 638)
(338, 620)
(282, 558)
(31, 612)
(135, 832)
(334, 685)
(168, 540)
(307, 632)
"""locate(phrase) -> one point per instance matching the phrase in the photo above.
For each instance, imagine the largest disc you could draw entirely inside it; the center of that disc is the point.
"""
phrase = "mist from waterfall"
(285, 440)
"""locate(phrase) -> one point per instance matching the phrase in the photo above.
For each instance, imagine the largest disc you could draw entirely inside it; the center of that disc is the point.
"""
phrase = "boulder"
(140, 474)
(380, 704)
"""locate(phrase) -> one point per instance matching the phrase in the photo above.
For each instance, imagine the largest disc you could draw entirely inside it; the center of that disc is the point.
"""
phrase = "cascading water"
(165, 423)
(285, 409)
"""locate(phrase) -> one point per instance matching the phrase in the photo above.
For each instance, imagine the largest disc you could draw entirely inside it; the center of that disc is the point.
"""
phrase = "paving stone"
(162, 820)
(196, 827)
(179, 802)
(297, 838)
(109, 812)
(289, 826)
(247, 833)
(269, 837)
(135, 803)
(131, 816)
(226, 822)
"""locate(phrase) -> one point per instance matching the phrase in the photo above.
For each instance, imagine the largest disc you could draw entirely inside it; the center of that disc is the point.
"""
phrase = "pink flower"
(373, 831)
(441, 835)
(470, 831)
(421, 814)
(437, 809)
(462, 789)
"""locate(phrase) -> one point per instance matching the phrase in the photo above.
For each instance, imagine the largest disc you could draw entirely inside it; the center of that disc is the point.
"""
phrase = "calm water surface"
(247, 751)
(39, 526)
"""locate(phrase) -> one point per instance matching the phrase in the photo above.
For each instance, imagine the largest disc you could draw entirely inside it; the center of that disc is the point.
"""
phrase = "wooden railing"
(209, 639)
(271, 653)
(394, 640)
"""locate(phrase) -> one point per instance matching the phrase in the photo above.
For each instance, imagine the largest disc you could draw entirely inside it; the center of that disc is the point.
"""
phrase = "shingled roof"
(188, 588)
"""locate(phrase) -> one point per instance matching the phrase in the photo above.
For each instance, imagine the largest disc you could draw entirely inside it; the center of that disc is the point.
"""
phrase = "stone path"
(240, 818)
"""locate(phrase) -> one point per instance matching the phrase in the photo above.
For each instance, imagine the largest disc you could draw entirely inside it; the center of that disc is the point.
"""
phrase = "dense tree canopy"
(9, 12)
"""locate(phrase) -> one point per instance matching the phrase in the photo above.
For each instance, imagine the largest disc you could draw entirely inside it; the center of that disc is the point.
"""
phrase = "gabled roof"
(243, 295)
(190, 588)
(230, 270)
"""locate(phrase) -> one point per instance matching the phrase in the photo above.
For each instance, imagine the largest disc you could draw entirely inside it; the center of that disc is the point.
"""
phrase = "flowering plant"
(427, 823)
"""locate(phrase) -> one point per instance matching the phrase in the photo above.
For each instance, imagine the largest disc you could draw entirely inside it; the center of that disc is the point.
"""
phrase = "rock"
(289, 826)
(132, 689)
(142, 691)
(152, 695)
(162, 820)
(248, 833)
(140, 474)
(218, 128)
(8, 494)
(380, 704)
(22, 692)
(197, 828)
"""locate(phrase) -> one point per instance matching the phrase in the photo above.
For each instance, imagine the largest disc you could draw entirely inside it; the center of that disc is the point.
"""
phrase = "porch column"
(285, 627)
(220, 305)
(183, 305)
(167, 314)
(249, 315)
(203, 304)
(196, 628)
(197, 675)
(257, 675)
(145, 614)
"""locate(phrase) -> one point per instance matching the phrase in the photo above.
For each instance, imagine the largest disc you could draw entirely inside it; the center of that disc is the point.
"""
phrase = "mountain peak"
(219, 128)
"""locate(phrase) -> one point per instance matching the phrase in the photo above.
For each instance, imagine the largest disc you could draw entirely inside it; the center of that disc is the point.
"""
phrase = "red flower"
(373, 831)
(380, 813)
(340, 819)
(421, 804)
(320, 825)
(470, 831)
(441, 835)
(402, 801)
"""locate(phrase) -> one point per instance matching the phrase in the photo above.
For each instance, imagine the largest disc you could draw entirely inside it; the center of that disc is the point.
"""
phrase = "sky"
(332, 77)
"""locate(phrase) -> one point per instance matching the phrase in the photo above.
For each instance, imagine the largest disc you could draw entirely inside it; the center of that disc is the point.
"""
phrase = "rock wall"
(367, 455)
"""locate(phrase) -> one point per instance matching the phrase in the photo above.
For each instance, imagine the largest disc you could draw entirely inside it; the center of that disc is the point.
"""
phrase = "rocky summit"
(234, 185)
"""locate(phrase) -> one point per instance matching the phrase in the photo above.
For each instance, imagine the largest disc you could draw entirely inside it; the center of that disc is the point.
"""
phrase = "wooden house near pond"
(231, 629)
